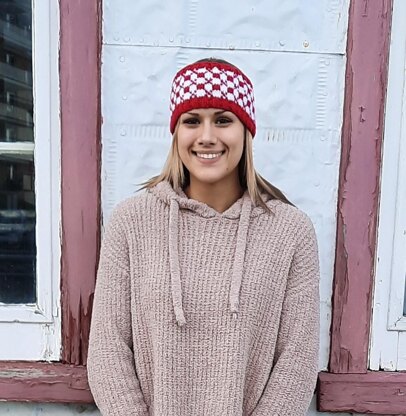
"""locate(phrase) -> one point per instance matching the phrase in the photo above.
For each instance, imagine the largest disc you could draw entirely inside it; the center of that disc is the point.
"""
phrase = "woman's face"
(210, 145)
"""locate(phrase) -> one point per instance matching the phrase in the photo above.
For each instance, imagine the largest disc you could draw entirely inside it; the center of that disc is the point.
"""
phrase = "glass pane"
(16, 108)
(17, 194)
(17, 229)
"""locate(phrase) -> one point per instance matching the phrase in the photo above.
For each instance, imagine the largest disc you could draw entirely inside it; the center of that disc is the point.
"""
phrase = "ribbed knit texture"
(200, 313)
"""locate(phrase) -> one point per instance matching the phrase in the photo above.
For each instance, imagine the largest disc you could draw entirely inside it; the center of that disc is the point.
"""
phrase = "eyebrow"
(216, 113)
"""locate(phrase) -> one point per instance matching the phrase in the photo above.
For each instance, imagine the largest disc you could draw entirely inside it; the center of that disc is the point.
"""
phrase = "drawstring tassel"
(179, 315)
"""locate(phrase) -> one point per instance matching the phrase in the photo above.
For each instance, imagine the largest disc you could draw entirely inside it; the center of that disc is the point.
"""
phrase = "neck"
(219, 196)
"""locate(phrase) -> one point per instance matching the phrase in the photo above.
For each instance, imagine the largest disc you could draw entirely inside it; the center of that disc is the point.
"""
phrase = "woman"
(207, 299)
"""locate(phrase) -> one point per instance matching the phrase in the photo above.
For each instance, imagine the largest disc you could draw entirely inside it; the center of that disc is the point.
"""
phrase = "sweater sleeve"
(292, 381)
(110, 364)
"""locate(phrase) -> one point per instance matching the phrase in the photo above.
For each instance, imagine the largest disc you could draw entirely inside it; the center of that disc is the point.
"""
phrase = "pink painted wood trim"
(80, 122)
(43, 382)
(365, 91)
(379, 392)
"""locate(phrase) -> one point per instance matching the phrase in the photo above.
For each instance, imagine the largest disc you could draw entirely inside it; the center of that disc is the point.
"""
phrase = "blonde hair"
(175, 172)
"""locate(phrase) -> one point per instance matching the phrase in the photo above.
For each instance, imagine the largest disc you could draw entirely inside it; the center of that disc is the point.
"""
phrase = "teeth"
(209, 155)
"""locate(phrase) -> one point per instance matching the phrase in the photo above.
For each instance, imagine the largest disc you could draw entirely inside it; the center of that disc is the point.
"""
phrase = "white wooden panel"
(29, 341)
(292, 91)
(401, 359)
(294, 25)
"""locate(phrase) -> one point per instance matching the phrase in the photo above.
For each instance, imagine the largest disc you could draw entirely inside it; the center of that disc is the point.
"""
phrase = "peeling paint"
(80, 120)
(374, 392)
(361, 114)
(365, 11)
(368, 39)
(46, 382)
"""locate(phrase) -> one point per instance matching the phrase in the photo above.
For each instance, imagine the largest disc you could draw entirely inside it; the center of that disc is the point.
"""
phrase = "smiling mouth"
(213, 155)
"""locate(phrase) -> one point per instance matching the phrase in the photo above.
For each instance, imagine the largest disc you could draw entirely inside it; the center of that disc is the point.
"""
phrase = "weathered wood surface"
(81, 147)
(43, 382)
(357, 212)
(375, 392)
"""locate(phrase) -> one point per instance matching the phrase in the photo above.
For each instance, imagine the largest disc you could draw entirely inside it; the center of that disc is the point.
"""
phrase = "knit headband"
(213, 85)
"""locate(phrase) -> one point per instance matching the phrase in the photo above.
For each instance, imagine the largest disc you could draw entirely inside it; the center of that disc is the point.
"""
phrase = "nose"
(207, 135)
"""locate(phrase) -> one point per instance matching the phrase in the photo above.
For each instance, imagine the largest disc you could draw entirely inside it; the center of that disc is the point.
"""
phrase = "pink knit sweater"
(200, 313)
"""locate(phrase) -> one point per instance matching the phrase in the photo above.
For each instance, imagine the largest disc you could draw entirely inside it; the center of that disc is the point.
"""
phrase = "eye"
(223, 120)
(191, 120)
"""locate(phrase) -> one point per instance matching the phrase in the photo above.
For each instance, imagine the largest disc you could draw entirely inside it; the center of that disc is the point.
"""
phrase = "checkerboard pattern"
(213, 85)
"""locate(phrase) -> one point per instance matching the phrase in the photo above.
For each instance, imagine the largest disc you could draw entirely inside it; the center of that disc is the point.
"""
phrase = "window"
(17, 194)
(75, 237)
(389, 320)
(29, 182)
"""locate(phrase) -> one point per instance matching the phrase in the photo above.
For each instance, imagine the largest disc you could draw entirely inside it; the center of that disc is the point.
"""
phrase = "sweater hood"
(242, 211)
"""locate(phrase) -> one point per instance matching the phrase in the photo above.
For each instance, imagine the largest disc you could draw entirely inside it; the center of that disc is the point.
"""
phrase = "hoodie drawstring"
(238, 265)
(239, 256)
(174, 263)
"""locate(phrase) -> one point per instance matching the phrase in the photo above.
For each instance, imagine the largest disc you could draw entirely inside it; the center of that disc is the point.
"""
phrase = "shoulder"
(134, 203)
(131, 212)
(293, 218)
(129, 208)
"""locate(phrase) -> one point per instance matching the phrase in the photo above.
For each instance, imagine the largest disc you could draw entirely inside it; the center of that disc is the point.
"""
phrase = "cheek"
(184, 144)
(237, 149)
(183, 155)
(237, 157)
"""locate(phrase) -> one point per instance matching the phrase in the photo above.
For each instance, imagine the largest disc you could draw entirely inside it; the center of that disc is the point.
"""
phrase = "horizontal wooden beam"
(43, 382)
(375, 392)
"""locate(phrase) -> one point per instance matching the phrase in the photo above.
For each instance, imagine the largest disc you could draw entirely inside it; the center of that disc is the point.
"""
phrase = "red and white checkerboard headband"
(213, 85)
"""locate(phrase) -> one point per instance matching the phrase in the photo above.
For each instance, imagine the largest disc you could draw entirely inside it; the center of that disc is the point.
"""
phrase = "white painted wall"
(293, 51)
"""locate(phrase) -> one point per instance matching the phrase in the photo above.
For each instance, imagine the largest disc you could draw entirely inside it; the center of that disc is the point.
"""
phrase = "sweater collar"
(167, 194)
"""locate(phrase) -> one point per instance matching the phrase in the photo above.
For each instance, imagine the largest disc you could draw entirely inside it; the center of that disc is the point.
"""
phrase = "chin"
(209, 179)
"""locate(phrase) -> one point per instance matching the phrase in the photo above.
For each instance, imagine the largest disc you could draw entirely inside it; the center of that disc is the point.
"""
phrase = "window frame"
(79, 64)
(46, 154)
(349, 386)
